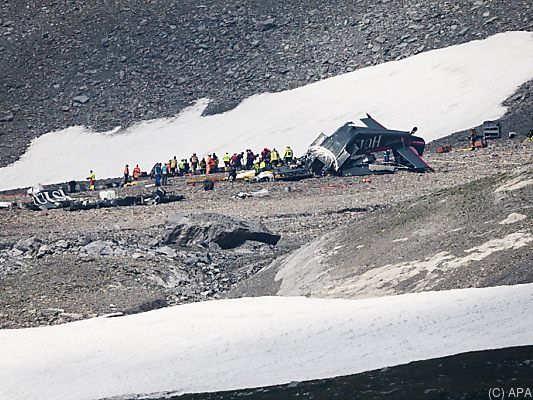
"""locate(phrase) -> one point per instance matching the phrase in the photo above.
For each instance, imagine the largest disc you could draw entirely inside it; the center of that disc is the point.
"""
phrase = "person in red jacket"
(136, 172)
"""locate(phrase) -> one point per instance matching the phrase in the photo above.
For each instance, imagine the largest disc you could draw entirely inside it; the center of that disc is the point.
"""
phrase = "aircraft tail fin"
(410, 154)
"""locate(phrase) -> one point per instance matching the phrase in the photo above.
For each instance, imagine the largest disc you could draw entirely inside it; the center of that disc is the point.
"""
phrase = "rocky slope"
(105, 64)
(474, 235)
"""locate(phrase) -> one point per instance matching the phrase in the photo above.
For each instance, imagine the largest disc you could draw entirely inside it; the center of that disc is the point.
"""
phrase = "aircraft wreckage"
(350, 151)
(56, 198)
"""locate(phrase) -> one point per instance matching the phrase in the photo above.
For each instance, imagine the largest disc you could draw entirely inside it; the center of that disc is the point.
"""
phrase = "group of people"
(135, 175)
(260, 162)
(248, 160)
(211, 164)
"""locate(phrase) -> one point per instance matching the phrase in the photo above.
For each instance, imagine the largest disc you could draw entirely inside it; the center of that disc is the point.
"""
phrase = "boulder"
(167, 251)
(225, 231)
(28, 244)
(81, 99)
(98, 248)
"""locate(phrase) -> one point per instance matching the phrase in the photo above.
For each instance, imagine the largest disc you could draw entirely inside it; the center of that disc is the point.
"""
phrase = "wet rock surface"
(107, 64)
(467, 376)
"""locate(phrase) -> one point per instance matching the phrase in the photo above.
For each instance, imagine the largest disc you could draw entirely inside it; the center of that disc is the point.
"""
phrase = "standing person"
(136, 172)
(233, 160)
(209, 164)
(92, 179)
(158, 171)
(288, 155)
(274, 157)
(203, 166)
(194, 162)
(181, 167)
(250, 157)
(264, 154)
(173, 165)
(232, 174)
(186, 166)
(238, 161)
(227, 161)
(164, 174)
(126, 174)
(473, 138)
(215, 162)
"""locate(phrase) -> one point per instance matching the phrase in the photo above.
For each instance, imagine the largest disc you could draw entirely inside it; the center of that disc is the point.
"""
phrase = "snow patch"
(431, 90)
(253, 342)
(384, 280)
(400, 240)
(513, 218)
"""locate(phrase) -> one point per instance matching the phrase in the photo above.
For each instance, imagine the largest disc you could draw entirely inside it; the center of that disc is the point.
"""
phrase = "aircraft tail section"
(410, 155)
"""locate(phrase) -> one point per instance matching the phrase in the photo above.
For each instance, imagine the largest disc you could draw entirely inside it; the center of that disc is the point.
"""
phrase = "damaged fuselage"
(350, 150)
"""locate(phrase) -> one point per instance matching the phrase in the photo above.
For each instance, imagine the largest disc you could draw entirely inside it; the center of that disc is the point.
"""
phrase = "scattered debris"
(108, 195)
(56, 199)
(444, 149)
(264, 176)
(258, 194)
(492, 130)
(49, 199)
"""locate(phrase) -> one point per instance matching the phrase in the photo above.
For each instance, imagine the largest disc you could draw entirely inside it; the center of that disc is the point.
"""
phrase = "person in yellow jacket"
(181, 167)
(262, 165)
(92, 179)
(274, 158)
(173, 165)
(288, 155)
(227, 160)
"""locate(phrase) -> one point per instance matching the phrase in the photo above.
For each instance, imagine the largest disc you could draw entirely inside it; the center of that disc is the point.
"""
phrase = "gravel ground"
(50, 271)
(476, 234)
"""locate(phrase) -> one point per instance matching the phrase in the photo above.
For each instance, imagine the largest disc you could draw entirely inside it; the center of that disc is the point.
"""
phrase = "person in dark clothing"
(209, 185)
(473, 138)
(158, 172)
(232, 174)
(72, 186)
(250, 157)
(238, 161)
(202, 166)
(126, 174)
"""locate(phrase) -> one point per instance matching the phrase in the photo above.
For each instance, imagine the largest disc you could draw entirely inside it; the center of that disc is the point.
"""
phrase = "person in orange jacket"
(136, 172)
(209, 164)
